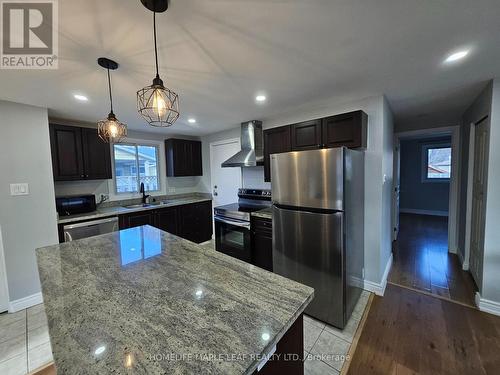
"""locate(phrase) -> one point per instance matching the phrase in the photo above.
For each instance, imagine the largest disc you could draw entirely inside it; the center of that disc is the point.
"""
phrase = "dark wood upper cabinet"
(183, 157)
(276, 140)
(67, 156)
(348, 129)
(306, 135)
(96, 156)
(78, 154)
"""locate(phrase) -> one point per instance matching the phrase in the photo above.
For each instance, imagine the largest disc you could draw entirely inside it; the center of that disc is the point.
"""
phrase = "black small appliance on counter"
(75, 204)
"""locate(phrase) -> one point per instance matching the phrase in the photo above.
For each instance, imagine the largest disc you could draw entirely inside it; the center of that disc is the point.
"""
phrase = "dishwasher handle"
(91, 223)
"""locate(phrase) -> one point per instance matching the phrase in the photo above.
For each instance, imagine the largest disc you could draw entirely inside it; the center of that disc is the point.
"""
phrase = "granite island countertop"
(144, 301)
(121, 210)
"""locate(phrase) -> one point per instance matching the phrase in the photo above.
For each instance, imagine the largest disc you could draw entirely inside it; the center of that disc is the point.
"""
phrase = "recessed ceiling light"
(459, 55)
(260, 98)
(192, 120)
(100, 350)
(81, 98)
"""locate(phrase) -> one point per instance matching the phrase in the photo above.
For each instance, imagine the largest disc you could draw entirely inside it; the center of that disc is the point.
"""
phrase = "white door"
(396, 189)
(4, 295)
(225, 181)
(478, 201)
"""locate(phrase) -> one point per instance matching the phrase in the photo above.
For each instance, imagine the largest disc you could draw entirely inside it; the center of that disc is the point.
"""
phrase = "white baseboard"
(24, 303)
(379, 288)
(423, 212)
(487, 305)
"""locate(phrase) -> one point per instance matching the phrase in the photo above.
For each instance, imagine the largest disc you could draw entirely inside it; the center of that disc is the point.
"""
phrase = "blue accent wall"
(415, 194)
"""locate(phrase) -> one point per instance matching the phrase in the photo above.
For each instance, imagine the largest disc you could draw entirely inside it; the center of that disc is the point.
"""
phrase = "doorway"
(225, 182)
(425, 217)
(476, 199)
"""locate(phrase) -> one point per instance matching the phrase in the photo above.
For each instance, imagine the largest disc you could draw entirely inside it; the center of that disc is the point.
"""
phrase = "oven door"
(232, 237)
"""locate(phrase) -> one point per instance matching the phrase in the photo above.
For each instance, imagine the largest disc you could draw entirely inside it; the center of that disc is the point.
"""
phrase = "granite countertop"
(120, 210)
(266, 213)
(145, 301)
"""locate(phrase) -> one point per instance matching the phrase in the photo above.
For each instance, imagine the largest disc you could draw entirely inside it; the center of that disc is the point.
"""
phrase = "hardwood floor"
(407, 332)
(422, 262)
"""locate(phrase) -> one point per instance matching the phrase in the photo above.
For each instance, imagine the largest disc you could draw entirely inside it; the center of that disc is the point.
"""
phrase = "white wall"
(378, 161)
(491, 265)
(27, 222)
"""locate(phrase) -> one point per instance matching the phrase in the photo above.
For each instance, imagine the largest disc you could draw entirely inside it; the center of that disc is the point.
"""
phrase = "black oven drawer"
(233, 238)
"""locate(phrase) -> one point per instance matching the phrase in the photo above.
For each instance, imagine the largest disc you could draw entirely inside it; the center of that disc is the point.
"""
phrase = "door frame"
(470, 188)
(454, 196)
(396, 187)
(3, 281)
(219, 143)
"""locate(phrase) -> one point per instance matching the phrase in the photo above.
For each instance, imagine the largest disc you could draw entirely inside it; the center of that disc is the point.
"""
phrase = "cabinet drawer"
(263, 226)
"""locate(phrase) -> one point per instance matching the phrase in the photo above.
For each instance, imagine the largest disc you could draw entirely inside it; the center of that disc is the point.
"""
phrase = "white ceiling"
(218, 54)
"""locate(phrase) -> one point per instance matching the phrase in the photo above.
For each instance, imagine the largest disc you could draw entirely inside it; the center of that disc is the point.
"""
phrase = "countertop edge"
(123, 211)
(280, 335)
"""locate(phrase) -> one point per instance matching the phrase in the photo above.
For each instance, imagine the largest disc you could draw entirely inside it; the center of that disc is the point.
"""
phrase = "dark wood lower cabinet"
(136, 219)
(262, 243)
(167, 219)
(195, 221)
(191, 221)
(289, 353)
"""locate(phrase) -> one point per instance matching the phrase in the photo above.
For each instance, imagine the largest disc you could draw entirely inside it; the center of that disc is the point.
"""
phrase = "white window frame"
(160, 148)
(425, 161)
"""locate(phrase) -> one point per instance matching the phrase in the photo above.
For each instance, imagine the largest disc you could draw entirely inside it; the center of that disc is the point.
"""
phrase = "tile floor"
(326, 347)
(24, 341)
(25, 344)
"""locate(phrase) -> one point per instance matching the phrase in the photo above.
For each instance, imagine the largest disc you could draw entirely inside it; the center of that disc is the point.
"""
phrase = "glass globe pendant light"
(158, 105)
(110, 130)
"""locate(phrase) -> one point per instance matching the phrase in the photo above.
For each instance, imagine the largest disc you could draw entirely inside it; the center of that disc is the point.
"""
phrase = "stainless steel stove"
(232, 222)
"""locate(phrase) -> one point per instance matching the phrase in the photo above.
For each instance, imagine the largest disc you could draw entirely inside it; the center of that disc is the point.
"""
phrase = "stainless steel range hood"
(252, 148)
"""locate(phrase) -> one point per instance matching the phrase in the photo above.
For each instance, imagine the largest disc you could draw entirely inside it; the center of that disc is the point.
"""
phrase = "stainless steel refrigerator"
(318, 227)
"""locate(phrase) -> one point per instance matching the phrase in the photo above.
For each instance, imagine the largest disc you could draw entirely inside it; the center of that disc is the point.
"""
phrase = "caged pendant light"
(110, 130)
(158, 105)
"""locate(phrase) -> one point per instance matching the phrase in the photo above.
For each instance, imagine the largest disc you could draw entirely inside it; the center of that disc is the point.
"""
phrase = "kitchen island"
(145, 301)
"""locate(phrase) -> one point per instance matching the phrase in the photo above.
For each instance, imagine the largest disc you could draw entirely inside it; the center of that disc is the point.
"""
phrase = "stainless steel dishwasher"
(86, 229)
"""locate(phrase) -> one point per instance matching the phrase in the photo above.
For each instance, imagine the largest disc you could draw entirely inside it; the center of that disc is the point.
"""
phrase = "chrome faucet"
(144, 195)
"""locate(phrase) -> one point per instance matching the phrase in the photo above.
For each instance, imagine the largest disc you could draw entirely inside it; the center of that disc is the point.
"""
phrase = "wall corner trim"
(463, 262)
(487, 305)
(379, 288)
(24, 303)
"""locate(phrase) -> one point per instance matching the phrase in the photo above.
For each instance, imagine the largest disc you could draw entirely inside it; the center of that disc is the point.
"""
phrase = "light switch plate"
(19, 189)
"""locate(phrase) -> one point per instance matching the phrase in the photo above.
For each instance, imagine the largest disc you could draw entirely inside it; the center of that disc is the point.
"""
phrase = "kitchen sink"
(140, 205)
(143, 205)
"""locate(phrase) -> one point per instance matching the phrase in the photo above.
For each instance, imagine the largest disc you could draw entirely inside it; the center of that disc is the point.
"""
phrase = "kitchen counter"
(145, 301)
(266, 213)
(120, 210)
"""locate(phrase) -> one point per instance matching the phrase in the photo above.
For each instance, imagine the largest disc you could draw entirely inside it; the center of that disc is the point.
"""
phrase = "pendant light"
(110, 130)
(158, 105)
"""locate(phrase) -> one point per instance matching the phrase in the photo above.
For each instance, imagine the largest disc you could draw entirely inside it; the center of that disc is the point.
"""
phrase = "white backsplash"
(253, 178)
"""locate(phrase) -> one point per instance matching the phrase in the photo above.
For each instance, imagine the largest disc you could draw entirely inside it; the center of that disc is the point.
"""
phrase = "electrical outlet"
(171, 190)
(19, 189)
(363, 273)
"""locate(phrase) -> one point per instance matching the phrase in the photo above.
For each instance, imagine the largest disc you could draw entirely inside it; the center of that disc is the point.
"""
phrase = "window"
(135, 164)
(437, 163)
